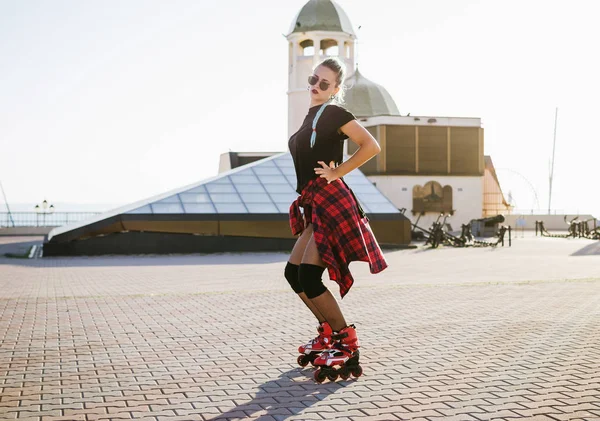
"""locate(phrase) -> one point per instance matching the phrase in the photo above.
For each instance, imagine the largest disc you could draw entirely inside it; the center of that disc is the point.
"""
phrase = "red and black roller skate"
(321, 343)
(343, 353)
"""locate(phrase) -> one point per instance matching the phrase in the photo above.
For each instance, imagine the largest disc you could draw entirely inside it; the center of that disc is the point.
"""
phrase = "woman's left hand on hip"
(327, 172)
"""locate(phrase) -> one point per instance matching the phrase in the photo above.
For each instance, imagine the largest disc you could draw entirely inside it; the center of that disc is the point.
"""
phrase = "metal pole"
(356, 51)
(7, 207)
(552, 165)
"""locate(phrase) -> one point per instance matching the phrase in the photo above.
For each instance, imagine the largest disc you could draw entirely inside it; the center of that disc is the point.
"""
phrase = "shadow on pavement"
(589, 250)
(19, 246)
(271, 397)
(154, 260)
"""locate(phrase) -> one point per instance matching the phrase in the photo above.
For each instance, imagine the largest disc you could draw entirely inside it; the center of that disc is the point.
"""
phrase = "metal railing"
(39, 219)
(523, 211)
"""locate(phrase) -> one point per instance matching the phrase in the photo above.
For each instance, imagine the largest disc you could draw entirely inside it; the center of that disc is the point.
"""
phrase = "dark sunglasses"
(313, 79)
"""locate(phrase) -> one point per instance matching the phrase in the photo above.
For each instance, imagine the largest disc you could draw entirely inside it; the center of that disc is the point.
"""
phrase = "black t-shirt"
(328, 145)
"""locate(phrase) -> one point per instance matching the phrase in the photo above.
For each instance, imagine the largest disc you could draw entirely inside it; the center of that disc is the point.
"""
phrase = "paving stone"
(503, 336)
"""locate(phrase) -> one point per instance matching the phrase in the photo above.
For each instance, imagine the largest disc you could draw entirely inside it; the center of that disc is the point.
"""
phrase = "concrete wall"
(467, 196)
(224, 162)
(165, 243)
(25, 231)
(551, 222)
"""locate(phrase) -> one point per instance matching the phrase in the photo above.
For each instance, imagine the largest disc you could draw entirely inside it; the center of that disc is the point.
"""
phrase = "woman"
(333, 229)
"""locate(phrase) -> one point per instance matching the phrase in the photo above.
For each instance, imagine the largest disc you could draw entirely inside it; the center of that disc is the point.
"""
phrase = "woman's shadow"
(288, 395)
(589, 250)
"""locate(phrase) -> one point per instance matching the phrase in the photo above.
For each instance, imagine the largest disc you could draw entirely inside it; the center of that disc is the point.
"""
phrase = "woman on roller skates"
(333, 229)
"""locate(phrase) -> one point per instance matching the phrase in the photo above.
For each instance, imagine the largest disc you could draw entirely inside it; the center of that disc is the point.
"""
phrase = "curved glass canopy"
(266, 186)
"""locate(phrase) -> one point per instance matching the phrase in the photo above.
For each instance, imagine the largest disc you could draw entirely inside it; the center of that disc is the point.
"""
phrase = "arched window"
(329, 47)
(432, 197)
(308, 47)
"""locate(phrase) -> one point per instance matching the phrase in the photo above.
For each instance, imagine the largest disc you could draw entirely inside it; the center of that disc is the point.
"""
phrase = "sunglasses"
(313, 79)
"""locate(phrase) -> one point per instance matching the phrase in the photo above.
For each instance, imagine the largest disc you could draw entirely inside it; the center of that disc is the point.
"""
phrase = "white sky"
(110, 102)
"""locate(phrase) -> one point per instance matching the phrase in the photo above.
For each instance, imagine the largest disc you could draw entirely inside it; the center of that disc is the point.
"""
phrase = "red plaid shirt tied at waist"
(342, 235)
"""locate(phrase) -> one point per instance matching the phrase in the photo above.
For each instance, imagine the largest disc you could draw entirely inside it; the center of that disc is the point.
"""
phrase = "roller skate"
(343, 353)
(311, 350)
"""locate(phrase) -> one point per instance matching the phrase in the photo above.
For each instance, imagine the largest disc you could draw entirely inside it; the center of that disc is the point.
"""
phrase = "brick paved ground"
(476, 334)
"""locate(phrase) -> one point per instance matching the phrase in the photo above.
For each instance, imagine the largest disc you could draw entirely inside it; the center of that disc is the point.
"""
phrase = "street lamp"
(43, 210)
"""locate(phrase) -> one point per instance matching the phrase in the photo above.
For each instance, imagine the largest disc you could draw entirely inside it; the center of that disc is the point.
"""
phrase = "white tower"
(320, 29)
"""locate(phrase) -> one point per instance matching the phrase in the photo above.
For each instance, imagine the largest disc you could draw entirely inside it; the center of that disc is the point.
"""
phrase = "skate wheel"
(332, 376)
(302, 361)
(319, 375)
(344, 373)
(357, 371)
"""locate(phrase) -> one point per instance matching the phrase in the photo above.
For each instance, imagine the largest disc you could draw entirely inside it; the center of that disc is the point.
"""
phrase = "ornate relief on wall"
(432, 197)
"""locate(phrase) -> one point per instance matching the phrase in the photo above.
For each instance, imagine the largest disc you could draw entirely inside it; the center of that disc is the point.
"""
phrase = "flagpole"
(7, 207)
(552, 165)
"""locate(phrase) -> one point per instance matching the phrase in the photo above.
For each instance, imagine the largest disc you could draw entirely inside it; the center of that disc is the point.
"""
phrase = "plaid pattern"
(341, 234)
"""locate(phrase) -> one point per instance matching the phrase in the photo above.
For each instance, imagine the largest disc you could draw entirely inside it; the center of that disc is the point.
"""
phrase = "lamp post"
(43, 210)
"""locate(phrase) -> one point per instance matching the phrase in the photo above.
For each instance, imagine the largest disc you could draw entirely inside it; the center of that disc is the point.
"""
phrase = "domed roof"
(367, 99)
(321, 15)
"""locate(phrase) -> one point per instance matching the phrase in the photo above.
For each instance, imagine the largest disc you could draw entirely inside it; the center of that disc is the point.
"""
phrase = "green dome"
(367, 99)
(321, 15)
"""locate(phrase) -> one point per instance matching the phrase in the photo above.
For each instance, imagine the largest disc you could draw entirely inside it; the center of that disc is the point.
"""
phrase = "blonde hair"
(336, 65)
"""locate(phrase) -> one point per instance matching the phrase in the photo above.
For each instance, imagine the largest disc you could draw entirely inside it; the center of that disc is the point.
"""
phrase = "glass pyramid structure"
(266, 186)
(260, 191)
